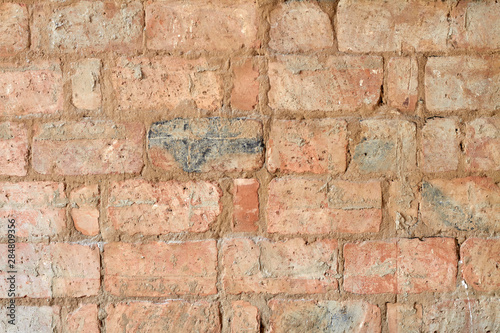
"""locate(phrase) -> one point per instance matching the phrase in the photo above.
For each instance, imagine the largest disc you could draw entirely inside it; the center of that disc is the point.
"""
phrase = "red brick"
(141, 207)
(245, 318)
(30, 89)
(462, 83)
(53, 270)
(83, 320)
(292, 266)
(316, 145)
(84, 211)
(367, 26)
(464, 204)
(86, 84)
(170, 316)
(246, 205)
(300, 205)
(87, 147)
(481, 263)
(14, 25)
(346, 83)
(402, 83)
(159, 269)
(43, 319)
(482, 144)
(291, 30)
(210, 26)
(404, 318)
(440, 145)
(91, 26)
(323, 316)
(37, 207)
(245, 93)
(14, 148)
(165, 82)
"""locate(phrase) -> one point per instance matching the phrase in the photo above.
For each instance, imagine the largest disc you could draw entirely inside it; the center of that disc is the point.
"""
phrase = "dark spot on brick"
(375, 155)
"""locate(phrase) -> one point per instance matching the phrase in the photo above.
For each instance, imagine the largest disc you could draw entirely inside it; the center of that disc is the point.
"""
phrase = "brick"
(366, 26)
(323, 316)
(83, 320)
(87, 147)
(169, 316)
(246, 205)
(403, 204)
(440, 145)
(385, 146)
(209, 26)
(462, 83)
(291, 31)
(245, 318)
(53, 270)
(159, 269)
(37, 207)
(86, 84)
(292, 266)
(315, 145)
(245, 93)
(14, 27)
(463, 204)
(141, 207)
(402, 83)
(315, 206)
(84, 211)
(481, 268)
(300, 83)
(474, 25)
(14, 148)
(44, 319)
(404, 318)
(206, 144)
(31, 89)
(91, 26)
(165, 82)
(482, 144)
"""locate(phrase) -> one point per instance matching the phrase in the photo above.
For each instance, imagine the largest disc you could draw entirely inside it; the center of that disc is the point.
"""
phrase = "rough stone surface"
(14, 148)
(482, 144)
(440, 145)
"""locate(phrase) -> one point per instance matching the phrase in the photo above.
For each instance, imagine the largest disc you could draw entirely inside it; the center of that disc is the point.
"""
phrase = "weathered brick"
(206, 144)
(402, 83)
(84, 211)
(385, 146)
(53, 270)
(291, 28)
(14, 25)
(245, 318)
(462, 83)
(141, 207)
(83, 320)
(245, 205)
(481, 263)
(315, 145)
(91, 26)
(245, 93)
(300, 83)
(86, 84)
(367, 26)
(14, 148)
(165, 82)
(482, 144)
(403, 204)
(323, 316)
(209, 25)
(465, 204)
(292, 266)
(404, 318)
(37, 207)
(170, 316)
(160, 269)
(440, 145)
(40, 319)
(87, 147)
(316, 206)
(30, 89)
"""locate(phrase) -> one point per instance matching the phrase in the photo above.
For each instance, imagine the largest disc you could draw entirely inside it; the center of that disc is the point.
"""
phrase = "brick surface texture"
(249, 166)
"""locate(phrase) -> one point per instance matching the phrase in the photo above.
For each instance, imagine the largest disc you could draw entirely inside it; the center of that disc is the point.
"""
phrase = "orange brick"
(245, 93)
(83, 320)
(14, 28)
(440, 145)
(481, 258)
(14, 148)
(404, 318)
(245, 318)
(402, 83)
(482, 144)
(245, 205)
(84, 211)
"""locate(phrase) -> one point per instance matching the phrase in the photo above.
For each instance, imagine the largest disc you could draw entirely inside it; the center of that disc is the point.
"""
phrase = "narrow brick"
(246, 205)
(83, 320)
(14, 148)
(87, 147)
(159, 269)
(141, 207)
(44, 319)
(14, 28)
(300, 83)
(245, 93)
(404, 318)
(482, 144)
(481, 263)
(86, 84)
(440, 145)
(84, 209)
(245, 318)
(206, 144)
(317, 146)
(402, 83)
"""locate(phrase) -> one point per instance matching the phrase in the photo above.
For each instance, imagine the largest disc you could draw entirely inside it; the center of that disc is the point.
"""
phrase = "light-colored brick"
(83, 320)
(402, 83)
(245, 93)
(14, 148)
(43, 319)
(404, 318)
(86, 84)
(84, 211)
(482, 144)
(481, 263)
(245, 318)
(245, 205)
(14, 28)
(440, 145)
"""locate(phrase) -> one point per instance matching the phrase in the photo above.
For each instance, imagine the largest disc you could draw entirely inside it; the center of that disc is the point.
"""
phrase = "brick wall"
(251, 165)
